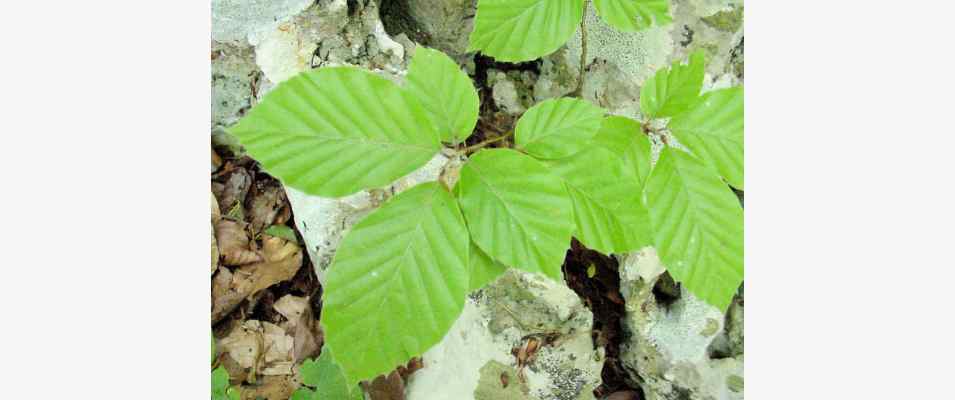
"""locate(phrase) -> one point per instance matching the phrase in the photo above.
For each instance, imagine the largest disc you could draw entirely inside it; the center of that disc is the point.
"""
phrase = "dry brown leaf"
(261, 347)
(216, 214)
(301, 324)
(215, 249)
(413, 365)
(212, 229)
(265, 205)
(390, 387)
(271, 388)
(291, 307)
(234, 243)
(624, 395)
(234, 189)
(216, 161)
(282, 259)
(308, 337)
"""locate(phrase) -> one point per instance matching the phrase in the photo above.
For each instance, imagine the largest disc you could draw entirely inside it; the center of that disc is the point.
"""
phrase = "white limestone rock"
(669, 352)
(468, 363)
(323, 221)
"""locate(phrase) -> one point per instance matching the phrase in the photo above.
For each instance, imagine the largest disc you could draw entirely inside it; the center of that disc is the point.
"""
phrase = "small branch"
(583, 53)
(474, 147)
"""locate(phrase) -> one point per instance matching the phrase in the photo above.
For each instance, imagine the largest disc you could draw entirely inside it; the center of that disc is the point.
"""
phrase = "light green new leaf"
(484, 269)
(634, 15)
(557, 128)
(282, 231)
(334, 131)
(698, 226)
(518, 212)
(608, 200)
(713, 130)
(672, 90)
(625, 137)
(302, 394)
(220, 386)
(328, 379)
(522, 30)
(445, 92)
(397, 282)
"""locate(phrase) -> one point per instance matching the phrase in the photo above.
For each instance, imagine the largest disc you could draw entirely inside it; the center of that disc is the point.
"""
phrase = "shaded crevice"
(397, 20)
(666, 291)
(595, 279)
(492, 121)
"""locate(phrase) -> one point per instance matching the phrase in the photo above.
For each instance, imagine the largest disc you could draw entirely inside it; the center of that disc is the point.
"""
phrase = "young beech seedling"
(522, 30)
(400, 276)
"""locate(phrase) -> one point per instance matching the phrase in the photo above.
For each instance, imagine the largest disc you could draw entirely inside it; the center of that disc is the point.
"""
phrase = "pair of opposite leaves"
(523, 30)
(405, 269)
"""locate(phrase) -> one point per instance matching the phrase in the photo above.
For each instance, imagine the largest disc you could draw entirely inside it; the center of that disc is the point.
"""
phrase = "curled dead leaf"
(390, 387)
(281, 260)
(278, 387)
(260, 347)
(301, 324)
(265, 205)
(232, 192)
(233, 243)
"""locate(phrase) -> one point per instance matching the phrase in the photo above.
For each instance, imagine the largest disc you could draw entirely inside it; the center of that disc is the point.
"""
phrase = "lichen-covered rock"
(323, 221)
(637, 55)
(447, 23)
(619, 62)
(716, 26)
(511, 91)
(669, 352)
(477, 358)
(242, 20)
(233, 78)
(326, 35)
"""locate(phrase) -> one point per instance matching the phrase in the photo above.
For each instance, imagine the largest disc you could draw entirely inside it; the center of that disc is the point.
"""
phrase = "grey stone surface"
(670, 350)
(619, 62)
(233, 78)
(469, 362)
(242, 20)
(447, 23)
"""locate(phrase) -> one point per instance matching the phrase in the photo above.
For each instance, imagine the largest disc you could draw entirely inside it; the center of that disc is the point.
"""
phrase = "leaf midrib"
(320, 138)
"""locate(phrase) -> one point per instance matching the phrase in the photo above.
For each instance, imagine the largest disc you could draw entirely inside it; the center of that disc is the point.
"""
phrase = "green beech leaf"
(672, 90)
(625, 137)
(446, 93)
(634, 15)
(713, 130)
(334, 131)
(397, 283)
(698, 226)
(282, 231)
(328, 379)
(557, 128)
(484, 269)
(302, 394)
(607, 197)
(518, 212)
(522, 30)
(220, 386)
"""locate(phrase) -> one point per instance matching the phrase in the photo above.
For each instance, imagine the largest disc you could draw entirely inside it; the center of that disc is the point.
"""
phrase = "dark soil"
(601, 294)
(492, 122)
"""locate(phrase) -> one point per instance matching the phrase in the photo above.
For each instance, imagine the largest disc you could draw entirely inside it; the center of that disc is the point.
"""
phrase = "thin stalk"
(583, 52)
(476, 146)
